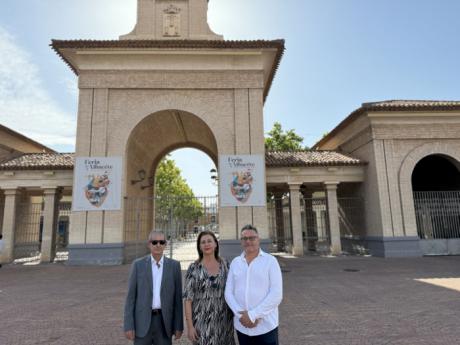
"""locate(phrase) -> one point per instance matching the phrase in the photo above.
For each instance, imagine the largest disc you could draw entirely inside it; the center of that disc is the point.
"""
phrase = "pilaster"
(296, 219)
(333, 213)
(50, 216)
(9, 224)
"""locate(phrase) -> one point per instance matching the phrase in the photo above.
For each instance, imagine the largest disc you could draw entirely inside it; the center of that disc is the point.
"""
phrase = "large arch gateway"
(170, 83)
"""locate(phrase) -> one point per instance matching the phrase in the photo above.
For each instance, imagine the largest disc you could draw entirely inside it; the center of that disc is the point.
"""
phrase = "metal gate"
(28, 232)
(438, 222)
(62, 230)
(315, 224)
(181, 218)
(279, 223)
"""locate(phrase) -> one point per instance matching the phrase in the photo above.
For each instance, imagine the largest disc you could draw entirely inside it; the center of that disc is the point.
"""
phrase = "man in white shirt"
(254, 291)
(153, 307)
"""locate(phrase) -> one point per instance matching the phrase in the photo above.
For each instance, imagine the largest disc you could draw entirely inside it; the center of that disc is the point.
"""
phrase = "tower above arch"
(172, 19)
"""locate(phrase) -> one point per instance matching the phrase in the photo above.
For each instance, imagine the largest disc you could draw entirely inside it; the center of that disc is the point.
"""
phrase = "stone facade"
(393, 141)
(142, 99)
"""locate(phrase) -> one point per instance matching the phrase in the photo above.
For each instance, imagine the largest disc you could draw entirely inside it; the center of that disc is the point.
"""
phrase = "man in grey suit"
(153, 308)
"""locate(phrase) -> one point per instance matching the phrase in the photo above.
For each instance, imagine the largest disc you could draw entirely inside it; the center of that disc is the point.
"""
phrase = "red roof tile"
(40, 161)
(274, 159)
(392, 105)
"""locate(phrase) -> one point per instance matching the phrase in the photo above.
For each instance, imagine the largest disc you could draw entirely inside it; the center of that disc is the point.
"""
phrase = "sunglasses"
(155, 242)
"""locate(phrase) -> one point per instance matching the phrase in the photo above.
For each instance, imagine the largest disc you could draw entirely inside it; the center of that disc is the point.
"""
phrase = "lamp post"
(214, 176)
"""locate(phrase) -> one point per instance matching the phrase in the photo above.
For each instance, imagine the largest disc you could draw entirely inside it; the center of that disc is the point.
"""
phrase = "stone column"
(309, 218)
(279, 222)
(296, 221)
(9, 224)
(50, 215)
(333, 214)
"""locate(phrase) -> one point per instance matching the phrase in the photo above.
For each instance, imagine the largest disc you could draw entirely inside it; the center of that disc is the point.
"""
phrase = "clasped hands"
(246, 321)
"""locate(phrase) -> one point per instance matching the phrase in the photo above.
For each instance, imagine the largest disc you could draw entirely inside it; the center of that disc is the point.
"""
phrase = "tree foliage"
(280, 140)
(174, 198)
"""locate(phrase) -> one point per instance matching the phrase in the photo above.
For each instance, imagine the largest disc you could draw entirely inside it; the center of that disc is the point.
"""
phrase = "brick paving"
(345, 300)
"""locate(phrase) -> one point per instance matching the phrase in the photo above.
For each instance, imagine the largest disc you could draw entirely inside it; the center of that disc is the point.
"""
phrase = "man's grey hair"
(154, 233)
(249, 227)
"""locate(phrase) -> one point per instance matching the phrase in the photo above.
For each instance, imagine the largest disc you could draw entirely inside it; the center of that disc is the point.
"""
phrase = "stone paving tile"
(377, 302)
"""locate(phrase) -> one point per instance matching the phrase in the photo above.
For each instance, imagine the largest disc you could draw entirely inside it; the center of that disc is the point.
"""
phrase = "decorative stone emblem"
(172, 9)
(171, 21)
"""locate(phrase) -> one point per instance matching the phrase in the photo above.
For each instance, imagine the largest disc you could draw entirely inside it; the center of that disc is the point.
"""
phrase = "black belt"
(156, 311)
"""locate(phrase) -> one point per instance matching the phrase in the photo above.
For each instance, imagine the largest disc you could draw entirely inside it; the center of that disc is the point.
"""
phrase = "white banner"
(242, 180)
(97, 184)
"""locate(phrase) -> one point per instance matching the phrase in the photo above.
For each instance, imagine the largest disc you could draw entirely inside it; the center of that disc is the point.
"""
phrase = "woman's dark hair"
(198, 240)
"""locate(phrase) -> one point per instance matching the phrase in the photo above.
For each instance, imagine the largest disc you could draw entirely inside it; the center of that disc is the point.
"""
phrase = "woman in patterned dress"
(209, 320)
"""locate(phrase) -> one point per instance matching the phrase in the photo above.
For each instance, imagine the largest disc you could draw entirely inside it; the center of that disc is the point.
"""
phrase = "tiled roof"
(392, 105)
(40, 161)
(171, 44)
(411, 104)
(59, 45)
(275, 159)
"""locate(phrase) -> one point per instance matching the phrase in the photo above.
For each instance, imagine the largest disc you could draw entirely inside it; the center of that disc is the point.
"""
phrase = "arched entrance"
(179, 216)
(436, 191)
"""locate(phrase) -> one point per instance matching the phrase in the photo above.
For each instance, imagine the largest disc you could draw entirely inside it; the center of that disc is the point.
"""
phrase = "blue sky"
(340, 53)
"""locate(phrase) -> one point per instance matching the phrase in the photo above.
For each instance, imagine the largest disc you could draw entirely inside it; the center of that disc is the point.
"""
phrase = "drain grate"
(351, 270)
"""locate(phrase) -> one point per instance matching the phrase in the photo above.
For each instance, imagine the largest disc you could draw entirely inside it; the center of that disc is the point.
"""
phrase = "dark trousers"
(270, 338)
(156, 334)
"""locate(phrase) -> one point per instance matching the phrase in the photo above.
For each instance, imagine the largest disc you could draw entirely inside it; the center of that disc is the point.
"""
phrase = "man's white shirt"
(157, 274)
(257, 288)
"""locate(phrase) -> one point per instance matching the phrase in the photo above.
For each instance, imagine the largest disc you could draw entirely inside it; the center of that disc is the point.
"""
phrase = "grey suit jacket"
(138, 305)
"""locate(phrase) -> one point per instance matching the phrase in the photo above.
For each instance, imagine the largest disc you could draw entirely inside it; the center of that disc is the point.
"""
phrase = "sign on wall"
(242, 180)
(97, 184)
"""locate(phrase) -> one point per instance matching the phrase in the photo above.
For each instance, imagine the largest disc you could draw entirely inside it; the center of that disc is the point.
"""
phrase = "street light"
(141, 174)
(214, 176)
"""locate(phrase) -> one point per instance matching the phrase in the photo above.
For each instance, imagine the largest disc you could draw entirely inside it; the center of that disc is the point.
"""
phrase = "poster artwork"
(97, 184)
(242, 180)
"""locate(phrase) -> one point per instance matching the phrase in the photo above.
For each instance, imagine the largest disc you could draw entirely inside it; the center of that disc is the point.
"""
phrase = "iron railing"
(180, 218)
(63, 224)
(315, 223)
(437, 214)
(279, 223)
(351, 217)
(28, 232)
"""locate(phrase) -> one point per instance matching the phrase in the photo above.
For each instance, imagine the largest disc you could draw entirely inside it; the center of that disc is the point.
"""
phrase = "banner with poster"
(97, 184)
(242, 180)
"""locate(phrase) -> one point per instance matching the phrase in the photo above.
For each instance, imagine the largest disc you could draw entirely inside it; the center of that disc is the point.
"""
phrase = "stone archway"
(150, 140)
(160, 133)
(450, 151)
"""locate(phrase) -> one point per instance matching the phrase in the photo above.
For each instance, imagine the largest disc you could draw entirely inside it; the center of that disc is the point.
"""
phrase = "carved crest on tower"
(171, 9)
(171, 21)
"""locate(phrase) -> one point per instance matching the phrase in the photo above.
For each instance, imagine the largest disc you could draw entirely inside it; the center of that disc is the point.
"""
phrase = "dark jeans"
(270, 338)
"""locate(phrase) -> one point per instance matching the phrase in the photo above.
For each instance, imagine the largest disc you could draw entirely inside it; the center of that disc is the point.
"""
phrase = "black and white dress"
(212, 318)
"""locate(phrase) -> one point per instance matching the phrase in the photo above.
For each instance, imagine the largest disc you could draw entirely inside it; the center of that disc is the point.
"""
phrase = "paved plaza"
(344, 300)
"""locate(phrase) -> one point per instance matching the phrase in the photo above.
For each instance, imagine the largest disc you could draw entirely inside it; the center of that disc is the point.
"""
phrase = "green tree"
(280, 140)
(174, 199)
